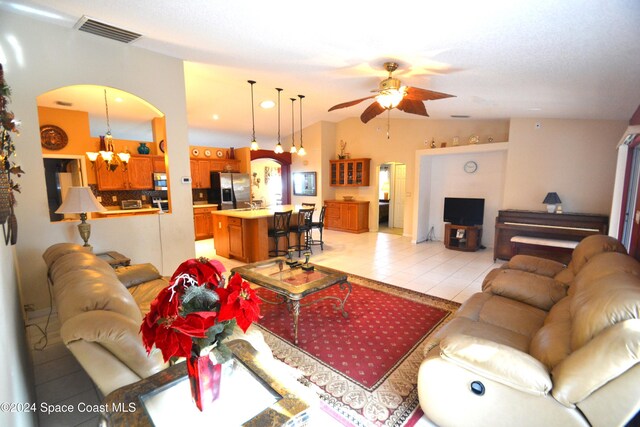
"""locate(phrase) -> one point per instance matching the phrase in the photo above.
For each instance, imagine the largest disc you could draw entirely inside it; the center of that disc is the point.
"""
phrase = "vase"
(206, 378)
(143, 149)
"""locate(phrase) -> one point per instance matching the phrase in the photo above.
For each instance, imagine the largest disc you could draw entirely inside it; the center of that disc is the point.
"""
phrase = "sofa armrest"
(497, 362)
(532, 264)
(607, 356)
(117, 334)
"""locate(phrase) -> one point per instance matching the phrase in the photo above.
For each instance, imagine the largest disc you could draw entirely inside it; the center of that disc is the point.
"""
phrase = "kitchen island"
(242, 233)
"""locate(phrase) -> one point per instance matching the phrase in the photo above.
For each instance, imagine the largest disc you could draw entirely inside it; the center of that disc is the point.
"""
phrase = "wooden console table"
(544, 225)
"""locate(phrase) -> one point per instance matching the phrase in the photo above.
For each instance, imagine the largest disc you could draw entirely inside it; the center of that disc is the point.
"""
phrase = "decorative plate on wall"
(52, 137)
(207, 153)
(195, 152)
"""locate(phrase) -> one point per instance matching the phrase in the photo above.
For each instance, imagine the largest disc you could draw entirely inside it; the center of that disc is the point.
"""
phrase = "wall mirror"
(304, 183)
(75, 121)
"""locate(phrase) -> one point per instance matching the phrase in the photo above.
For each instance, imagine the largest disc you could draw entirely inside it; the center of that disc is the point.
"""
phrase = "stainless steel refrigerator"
(230, 190)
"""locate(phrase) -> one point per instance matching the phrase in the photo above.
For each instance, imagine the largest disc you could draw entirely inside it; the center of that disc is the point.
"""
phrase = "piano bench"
(555, 249)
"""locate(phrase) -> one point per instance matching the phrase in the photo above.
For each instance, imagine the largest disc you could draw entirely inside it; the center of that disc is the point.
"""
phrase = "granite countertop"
(257, 213)
(204, 205)
(128, 211)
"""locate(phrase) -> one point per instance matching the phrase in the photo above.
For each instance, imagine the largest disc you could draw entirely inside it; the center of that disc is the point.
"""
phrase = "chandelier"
(111, 160)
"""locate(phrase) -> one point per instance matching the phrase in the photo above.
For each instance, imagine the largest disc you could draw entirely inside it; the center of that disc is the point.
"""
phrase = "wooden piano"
(564, 226)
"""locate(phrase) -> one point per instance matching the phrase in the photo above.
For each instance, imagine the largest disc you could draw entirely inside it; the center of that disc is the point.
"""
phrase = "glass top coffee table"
(293, 284)
(257, 394)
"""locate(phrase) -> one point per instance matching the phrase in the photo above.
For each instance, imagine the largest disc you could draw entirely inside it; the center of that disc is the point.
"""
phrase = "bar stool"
(281, 223)
(302, 229)
(308, 205)
(319, 225)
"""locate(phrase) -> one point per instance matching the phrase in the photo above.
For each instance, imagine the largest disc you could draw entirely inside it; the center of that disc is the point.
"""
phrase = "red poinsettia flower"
(202, 270)
(174, 336)
(239, 301)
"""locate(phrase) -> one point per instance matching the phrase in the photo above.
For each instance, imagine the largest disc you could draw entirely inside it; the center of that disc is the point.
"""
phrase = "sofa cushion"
(77, 261)
(86, 290)
(604, 264)
(512, 315)
(532, 264)
(603, 302)
(530, 288)
(552, 343)
(133, 275)
(57, 250)
(146, 292)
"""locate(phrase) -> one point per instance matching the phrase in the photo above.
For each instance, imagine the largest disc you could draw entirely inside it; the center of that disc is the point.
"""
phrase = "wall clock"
(53, 138)
(470, 166)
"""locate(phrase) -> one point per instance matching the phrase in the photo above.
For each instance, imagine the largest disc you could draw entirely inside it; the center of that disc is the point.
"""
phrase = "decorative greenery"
(8, 125)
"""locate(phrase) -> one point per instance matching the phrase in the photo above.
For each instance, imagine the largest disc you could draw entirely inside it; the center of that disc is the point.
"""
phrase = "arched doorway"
(266, 162)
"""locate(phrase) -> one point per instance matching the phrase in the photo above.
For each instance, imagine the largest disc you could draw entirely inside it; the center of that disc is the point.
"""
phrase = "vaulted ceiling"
(543, 58)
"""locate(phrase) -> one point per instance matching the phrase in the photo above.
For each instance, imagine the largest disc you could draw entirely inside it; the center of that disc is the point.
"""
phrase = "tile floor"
(426, 267)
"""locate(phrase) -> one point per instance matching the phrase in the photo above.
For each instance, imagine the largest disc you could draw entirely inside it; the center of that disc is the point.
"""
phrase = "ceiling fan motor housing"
(389, 83)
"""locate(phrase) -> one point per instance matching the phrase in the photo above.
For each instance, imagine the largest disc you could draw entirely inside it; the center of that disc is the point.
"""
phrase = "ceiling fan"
(391, 94)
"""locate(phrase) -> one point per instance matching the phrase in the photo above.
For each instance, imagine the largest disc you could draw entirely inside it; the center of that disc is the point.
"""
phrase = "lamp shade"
(80, 200)
(552, 199)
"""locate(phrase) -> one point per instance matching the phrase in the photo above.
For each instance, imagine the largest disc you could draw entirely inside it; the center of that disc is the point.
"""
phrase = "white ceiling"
(509, 58)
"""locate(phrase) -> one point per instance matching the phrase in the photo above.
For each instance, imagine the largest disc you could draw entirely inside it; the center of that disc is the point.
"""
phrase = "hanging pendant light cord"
(301, 97)
(253, 121)
(293, 137)
(106, 107)
(279, 90)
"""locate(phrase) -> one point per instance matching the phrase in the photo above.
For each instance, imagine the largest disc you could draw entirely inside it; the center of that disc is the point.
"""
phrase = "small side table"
(115, 259)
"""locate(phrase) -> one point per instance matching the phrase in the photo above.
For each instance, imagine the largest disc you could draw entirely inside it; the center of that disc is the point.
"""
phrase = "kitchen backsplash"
(199, 195)
(108, 196)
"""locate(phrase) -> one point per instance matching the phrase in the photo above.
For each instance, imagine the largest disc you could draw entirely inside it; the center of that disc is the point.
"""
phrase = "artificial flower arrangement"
(193, 315)
(197, 311)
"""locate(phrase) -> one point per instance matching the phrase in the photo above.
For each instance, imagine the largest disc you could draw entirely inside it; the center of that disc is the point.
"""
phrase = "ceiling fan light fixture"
(390, 98)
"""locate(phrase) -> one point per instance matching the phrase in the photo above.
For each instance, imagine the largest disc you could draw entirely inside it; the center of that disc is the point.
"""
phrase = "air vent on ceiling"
(101, 29)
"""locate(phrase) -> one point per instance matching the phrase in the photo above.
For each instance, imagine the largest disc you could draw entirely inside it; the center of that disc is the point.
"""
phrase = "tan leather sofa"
(542, 345)
(100, 311)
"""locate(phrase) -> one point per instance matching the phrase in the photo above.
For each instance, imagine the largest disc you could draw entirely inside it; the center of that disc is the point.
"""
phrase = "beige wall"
(574, 158)
(406, 136)
(51, 57)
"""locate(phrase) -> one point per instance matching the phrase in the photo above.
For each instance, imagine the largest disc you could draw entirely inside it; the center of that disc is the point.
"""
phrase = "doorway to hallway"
(391, 197)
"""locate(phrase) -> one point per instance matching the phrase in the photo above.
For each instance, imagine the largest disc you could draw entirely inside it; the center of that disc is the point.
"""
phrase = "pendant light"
(111, 160)
(254, 143)
(301, 150)
(278, 149)
(293, 149)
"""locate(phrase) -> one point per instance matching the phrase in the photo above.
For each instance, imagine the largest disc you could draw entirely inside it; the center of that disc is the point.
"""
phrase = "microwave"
(159, 181)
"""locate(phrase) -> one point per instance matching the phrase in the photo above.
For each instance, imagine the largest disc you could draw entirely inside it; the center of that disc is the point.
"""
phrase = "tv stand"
(462, 237)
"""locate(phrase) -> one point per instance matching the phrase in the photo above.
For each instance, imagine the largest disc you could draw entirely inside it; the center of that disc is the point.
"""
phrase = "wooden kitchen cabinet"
(221, 235)
(236, 238)
(225, 165)
(203, 222)
(349, 173)
(200, 173)
(137, 176)
(158, 164)
(351, 216)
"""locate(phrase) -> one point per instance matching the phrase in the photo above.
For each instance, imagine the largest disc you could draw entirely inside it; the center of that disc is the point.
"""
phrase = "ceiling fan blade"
(350, 103)
(413, 106)
(372, 110)
(425, 95)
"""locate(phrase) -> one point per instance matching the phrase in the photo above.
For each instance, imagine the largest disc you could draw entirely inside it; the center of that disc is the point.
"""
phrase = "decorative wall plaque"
(52, 137)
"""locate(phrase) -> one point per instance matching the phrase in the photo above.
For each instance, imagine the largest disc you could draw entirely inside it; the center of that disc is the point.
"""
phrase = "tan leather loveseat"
(542, 345)
(100, 312)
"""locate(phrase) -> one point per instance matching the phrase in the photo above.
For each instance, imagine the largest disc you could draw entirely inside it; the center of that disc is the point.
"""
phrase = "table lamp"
(552, 200)
(80, 200)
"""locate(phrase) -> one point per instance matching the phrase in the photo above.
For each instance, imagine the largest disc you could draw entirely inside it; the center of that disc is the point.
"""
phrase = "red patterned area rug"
(364, 367)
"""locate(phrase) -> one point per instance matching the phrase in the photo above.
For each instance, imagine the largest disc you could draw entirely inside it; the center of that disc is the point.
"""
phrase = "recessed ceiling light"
(267, 104)
(460, 116)
(215, 117)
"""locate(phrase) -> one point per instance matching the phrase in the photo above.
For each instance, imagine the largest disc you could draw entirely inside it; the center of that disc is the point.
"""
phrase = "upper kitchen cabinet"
(349, 173)
(200, 173)
(138, 175)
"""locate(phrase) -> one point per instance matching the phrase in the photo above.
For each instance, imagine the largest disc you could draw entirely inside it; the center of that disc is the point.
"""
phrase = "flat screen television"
(460, 211)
